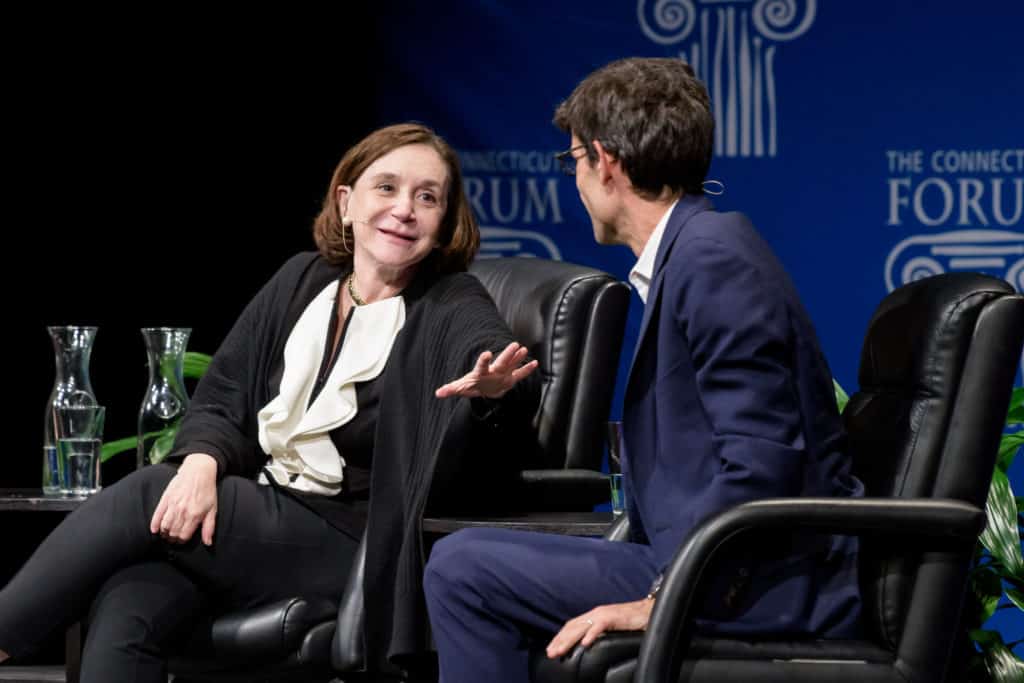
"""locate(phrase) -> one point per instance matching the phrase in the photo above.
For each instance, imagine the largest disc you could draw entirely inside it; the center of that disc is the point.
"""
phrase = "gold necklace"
(352, 291)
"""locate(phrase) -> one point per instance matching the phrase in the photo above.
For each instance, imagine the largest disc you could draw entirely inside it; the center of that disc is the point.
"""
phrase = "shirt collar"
(643, 271)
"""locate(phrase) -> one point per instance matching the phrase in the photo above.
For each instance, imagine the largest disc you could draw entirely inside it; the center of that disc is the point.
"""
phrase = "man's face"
(593, 195)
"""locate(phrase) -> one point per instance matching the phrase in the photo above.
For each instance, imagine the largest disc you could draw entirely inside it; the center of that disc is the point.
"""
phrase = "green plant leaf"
(841, 398)
(1001, 537)
(1016, 597)
(196, 364)
(988, 589)
(129, 443)
(163, 444)
(1015, 414)
(985, 638)
(1003, 665)
(1009, 446)
(112, 448)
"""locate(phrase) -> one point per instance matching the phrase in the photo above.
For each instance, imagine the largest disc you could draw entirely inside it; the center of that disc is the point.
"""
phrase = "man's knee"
(458, 563)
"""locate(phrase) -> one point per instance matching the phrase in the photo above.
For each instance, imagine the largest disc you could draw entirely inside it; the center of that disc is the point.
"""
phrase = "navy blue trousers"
(494, 593)
(146, 594)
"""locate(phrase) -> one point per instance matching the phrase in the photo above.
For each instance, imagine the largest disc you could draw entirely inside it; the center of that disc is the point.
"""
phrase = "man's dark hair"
(653, 115)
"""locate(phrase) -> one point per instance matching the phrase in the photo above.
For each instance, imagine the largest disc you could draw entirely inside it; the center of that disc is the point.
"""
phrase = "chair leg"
(959, 668)
(73, 653)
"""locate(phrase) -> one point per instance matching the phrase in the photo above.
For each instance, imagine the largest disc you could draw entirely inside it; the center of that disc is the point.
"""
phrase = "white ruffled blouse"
(297, 439)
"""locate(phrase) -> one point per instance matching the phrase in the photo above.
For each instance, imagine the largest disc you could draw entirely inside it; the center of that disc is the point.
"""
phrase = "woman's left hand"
(584, 629)
(491, 377)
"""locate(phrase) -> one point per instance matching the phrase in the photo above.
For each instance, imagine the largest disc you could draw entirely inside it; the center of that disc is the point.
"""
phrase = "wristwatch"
(655, 587)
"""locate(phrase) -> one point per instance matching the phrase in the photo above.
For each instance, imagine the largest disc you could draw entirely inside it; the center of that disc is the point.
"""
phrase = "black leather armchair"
(936, 371)
(572, 319)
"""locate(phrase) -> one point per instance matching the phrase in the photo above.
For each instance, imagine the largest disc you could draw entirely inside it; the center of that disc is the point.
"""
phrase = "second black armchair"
(936, 370)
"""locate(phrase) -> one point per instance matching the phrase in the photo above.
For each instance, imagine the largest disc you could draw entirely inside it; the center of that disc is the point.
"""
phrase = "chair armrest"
(563, 489)
(934, 519)
(619, 531)
(348, 648)
(268, 632)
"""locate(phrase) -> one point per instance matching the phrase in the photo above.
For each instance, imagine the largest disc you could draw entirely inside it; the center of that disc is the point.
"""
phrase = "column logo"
(731, 45)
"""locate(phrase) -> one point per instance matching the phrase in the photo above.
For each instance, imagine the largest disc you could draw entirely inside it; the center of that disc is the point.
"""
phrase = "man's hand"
(584, 629)
(188, 501)
(491, 378)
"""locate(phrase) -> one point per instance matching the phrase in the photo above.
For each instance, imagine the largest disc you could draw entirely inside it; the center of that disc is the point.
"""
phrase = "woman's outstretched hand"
(491, 377)
(188, 501)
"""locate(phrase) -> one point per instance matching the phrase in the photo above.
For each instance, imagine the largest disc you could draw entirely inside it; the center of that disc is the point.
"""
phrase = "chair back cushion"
(936, 369)
(572, 319)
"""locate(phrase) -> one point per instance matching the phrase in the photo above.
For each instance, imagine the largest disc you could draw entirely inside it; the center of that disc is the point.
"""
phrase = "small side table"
(566, 523)
(33, 500)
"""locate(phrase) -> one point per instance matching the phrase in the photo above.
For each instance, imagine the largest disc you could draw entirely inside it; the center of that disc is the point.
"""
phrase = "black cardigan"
(420, 440)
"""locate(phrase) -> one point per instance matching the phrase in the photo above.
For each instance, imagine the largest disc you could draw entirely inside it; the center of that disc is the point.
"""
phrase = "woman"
(339, 366)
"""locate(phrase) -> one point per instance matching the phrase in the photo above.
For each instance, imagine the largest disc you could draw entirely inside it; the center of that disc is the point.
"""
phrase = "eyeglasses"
(567, 161)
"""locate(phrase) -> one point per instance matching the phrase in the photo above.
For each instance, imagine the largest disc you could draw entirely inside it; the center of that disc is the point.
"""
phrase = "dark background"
(159, 184)
(158, 174)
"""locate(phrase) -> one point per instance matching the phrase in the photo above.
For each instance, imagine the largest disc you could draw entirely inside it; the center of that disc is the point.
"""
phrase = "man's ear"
(608, 167)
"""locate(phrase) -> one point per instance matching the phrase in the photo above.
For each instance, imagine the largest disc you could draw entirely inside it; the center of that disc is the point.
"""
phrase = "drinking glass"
(79, 432)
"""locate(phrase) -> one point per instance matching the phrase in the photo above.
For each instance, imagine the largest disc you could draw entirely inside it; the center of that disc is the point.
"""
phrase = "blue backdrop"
(871, 143)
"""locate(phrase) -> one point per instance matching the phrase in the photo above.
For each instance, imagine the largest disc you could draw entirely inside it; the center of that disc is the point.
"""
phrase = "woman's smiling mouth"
(402, 238)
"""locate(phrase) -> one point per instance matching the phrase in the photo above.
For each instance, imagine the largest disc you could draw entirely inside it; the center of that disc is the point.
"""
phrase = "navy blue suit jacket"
(729, 399)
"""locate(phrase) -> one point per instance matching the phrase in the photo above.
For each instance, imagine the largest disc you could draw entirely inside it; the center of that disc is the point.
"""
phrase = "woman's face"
(396, 207)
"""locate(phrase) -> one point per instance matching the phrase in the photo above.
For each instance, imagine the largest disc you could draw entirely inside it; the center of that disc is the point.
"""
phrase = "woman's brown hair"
(459, 238)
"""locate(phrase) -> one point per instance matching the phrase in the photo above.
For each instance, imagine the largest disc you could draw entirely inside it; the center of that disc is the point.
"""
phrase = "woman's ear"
(342, 194)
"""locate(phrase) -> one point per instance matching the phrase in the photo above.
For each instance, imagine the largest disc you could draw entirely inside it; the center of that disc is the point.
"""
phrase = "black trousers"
(145, 593)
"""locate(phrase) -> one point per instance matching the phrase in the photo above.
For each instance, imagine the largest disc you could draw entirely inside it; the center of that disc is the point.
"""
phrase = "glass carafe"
(166, 400)
(72, 347)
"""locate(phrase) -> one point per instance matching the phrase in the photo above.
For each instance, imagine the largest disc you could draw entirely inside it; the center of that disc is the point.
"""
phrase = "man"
(728, 400)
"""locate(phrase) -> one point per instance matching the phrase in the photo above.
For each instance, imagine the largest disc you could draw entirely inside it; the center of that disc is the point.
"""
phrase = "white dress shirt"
(643, 271)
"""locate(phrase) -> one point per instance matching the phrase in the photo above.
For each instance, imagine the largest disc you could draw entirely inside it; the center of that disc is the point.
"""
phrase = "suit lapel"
(685, 209)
